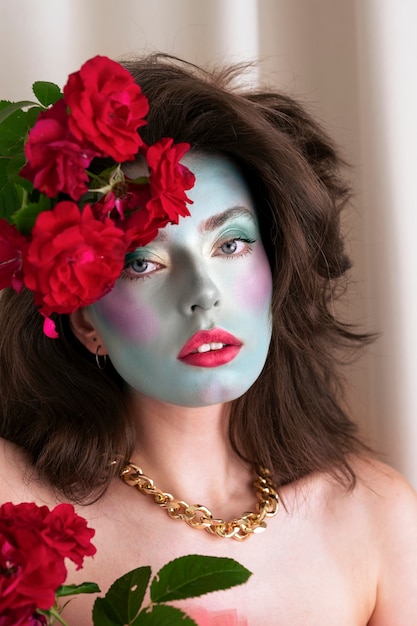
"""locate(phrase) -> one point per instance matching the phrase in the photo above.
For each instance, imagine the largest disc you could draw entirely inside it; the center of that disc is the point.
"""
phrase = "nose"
(198, 291)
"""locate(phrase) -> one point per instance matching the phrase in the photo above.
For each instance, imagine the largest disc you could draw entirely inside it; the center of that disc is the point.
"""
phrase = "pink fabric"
(216, 618)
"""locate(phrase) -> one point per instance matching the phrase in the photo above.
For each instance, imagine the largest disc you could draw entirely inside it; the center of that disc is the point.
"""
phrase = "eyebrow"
(215, 221)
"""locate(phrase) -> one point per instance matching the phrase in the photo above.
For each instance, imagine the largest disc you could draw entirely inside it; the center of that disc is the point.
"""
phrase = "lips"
(210, 348)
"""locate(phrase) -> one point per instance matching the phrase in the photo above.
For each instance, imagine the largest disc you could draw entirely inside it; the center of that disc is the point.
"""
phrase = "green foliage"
(124, 598)
(25, 218)
(14, 128)
(191, 576)
(10, 194)
(33, 114)
(15, 124)
(16, 120)
(74, 590)
(47, 93)
(7, 108)
(185, 577)
(14, 165)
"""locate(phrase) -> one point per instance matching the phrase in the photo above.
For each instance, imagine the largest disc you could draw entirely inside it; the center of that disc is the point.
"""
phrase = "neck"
(186, 451)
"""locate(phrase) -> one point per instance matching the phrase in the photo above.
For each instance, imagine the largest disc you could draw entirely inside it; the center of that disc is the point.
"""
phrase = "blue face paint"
(188, 322)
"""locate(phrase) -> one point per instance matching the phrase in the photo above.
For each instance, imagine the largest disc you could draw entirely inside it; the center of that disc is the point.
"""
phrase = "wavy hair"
(71, 418)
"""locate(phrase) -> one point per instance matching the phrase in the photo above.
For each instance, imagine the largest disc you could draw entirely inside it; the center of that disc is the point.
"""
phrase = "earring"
(100, 364)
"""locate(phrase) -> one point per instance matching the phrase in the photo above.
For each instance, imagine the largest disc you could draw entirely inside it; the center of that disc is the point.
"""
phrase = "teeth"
(206, 347)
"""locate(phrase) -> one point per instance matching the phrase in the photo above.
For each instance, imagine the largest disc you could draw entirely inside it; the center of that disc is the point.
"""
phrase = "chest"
(303, 572)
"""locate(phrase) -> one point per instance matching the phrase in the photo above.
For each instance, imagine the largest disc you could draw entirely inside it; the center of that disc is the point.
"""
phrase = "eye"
(236, 247)
(140, 268)
(230, 247)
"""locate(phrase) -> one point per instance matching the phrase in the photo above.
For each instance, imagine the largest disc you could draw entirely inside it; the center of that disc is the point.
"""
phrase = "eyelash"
(248, 250)
(126, 276)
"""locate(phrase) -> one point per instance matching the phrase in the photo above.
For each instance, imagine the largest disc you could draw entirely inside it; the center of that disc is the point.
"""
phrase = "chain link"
(200, 517)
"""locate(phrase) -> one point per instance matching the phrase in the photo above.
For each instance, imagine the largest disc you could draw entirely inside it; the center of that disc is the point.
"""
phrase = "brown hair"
(71, 418)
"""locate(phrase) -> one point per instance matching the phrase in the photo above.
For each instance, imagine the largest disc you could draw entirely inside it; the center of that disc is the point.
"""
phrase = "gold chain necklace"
(199, 517)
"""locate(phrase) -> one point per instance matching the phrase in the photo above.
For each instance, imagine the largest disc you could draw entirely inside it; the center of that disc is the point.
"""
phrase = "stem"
(94, 176)
(24, 198)
(54, 613)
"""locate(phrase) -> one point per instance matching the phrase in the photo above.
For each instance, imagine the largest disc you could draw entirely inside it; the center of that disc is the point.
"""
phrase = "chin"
(210, 396)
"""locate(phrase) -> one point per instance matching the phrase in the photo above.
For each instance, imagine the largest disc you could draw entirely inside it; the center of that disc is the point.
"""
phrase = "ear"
(85, 332)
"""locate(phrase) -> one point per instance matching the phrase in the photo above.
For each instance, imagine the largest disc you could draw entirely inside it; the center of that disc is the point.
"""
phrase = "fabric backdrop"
(351, 62)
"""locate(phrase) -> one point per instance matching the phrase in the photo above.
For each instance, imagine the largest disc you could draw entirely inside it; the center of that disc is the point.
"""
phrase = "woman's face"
(188, 322)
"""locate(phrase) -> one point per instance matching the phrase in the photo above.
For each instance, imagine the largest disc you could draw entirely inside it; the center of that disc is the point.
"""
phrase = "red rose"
(55, 159)
(12, 245)
(168, 179)
(73, 258)
(124, 198)
(21, 616)
(69, 534)
(34, 542)
(142, 227)
(30, 571)
(106, 108)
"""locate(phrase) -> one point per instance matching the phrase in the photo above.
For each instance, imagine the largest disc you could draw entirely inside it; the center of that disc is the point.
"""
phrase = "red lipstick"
(210, 348)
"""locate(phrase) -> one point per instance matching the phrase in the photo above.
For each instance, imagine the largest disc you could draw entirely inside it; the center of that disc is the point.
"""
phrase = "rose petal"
(49, 328)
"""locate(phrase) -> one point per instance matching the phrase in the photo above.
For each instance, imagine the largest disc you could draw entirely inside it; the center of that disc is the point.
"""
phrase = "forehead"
(219, 190)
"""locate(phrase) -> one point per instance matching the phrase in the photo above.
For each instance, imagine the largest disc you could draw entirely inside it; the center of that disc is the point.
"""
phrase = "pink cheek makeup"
(128, 316)
(254, 288)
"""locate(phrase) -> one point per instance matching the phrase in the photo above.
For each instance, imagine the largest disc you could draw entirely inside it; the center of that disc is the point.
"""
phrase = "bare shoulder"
(374, 527)
(378, 489)
(390, 504)
(381, 488)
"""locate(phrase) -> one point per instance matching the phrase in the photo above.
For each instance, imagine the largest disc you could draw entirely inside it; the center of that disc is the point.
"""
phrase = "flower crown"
(65, 227)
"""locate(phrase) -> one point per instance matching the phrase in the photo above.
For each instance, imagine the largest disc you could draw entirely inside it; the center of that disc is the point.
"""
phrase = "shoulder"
(382, 501)
(390, 506)
(378, 486)
(378, 489)
(365, 537)
(386, 494)
(373, 529)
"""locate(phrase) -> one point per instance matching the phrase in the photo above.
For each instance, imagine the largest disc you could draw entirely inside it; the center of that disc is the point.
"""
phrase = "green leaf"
(140, 180)
(104, 615)
(25, 218)
(14, 166)
(163, 615)
(8, 108)
(13, 133)
(13, 188)
(74, 590)
(32, 115)
(10, 200)
(194, 575)
(124, 598)
(47, 93)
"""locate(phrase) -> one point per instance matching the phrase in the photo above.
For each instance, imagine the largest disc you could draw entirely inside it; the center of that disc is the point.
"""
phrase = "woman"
(199, 370)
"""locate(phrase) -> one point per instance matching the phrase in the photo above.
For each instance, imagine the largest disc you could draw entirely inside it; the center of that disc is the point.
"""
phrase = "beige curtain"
(352, 63)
